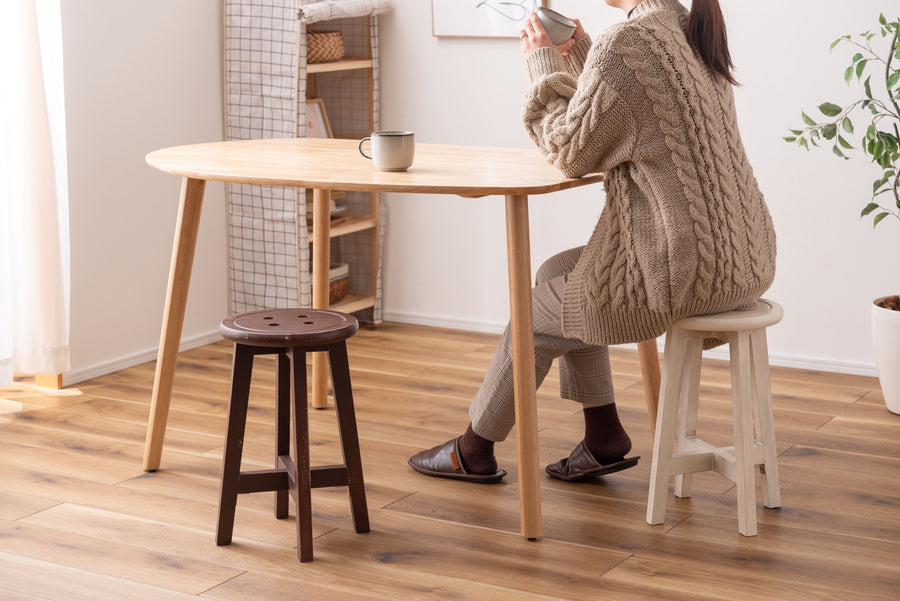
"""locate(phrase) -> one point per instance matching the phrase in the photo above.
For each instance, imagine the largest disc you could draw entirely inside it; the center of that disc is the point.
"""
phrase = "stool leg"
(346, 415)
(765, 419)
(664, 438)
(282, 426)
(687, 417)
(742, 407)
(241, 372)
(301, 450)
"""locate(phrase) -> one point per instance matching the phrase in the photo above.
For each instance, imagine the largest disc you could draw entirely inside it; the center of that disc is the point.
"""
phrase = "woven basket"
(324, 46)
(338, 282)
(338, 289)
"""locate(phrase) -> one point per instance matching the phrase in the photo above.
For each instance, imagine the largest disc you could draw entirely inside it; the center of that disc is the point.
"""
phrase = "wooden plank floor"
(80, 520)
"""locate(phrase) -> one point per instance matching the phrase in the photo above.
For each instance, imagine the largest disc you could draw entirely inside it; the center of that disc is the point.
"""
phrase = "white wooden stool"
(745, 332)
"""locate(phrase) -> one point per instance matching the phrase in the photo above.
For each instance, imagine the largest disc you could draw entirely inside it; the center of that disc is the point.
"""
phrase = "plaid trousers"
(584, 372)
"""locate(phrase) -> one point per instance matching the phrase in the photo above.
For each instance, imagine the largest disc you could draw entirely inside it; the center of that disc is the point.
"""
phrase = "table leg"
(320, 267)
(648, 353)
(518, 250)
(186, 229)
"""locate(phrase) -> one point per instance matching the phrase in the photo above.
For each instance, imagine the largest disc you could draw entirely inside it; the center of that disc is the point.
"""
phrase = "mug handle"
(363, 152)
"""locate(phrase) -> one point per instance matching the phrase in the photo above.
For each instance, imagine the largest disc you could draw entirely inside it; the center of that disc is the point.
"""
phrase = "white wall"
(138, 76)
(145, 75)
(445, 256)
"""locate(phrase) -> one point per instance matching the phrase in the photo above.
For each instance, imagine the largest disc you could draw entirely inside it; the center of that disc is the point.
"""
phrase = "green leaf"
(878, 218)
(847, 125)
(868, 87)
(871, 133)
(868, 209)
(857, 57)
(838, 152)
(806, 119)
(893, 79)
(797, 132)
(860, 67)
(790, 139)
(881, 19)
(845, 143)
(848, 74)
(829, 131)
(829, 109)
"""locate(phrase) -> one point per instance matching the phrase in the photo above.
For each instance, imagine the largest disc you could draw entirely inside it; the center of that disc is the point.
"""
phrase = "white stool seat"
(745, 332)
(764, 314)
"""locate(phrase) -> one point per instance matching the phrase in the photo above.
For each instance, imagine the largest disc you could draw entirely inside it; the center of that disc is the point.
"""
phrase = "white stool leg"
(765, 419)
(742, 406)
(687, 416)
(664, 438)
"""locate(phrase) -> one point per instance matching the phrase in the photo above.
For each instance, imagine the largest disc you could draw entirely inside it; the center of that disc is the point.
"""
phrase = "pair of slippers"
(443, 461)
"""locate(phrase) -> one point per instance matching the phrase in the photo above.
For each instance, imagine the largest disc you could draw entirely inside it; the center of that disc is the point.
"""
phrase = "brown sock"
(477, 453)
(604, 435)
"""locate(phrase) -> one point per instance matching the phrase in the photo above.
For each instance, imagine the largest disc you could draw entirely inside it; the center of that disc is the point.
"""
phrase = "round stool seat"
(764, 314)
(288, 327)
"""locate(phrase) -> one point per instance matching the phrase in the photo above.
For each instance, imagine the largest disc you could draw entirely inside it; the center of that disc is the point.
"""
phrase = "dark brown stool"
(290, 333)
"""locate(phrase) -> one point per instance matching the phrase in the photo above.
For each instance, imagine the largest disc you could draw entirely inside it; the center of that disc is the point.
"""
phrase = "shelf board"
(355, 222)
(348, 63)
(354, 301)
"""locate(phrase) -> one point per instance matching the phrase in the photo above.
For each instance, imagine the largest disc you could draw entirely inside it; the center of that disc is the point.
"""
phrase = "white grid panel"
(266, 88)
(260, 72)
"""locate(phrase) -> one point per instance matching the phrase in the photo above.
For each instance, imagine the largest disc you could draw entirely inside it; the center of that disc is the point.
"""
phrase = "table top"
(337, 164)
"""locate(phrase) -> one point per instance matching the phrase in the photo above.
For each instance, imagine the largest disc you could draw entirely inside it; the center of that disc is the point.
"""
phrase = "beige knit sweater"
(685, 230)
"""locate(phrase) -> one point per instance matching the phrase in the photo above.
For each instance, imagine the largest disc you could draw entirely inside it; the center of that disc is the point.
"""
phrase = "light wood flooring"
(80, 520)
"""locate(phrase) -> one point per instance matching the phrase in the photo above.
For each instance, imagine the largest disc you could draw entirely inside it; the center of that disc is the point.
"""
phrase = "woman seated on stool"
(684, 231)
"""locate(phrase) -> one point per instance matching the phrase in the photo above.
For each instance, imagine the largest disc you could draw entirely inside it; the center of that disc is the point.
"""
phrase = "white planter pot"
(886, 334)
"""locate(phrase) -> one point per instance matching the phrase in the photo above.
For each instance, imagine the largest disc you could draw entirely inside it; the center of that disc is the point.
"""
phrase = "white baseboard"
(443, 321)
(102, 369)
(454, 323)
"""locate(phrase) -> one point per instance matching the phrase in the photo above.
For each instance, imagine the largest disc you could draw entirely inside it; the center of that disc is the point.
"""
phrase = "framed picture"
(317, 125)
(481, 18)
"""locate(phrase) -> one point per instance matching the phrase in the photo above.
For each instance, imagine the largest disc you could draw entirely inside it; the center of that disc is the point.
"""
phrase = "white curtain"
(34, 217)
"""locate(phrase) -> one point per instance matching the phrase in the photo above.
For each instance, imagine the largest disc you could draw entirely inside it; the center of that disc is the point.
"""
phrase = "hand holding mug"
(548, 28)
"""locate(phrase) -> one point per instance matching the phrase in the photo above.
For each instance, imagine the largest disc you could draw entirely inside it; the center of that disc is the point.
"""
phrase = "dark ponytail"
(706, 35)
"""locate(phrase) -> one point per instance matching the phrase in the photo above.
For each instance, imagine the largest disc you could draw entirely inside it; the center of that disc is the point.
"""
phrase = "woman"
(684, 231)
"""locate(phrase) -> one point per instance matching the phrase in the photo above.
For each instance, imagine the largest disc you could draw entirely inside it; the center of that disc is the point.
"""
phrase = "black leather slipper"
(582, 464)
(443, 461)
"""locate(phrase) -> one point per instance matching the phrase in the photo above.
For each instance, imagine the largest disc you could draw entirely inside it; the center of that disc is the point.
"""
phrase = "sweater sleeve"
(581, 124)
(577, 55)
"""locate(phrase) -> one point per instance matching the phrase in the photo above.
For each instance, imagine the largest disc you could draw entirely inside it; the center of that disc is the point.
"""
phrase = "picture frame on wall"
(481, 18)
(317, 125)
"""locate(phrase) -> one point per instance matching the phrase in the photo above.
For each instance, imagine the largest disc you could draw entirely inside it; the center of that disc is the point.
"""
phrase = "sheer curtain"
(34, 219)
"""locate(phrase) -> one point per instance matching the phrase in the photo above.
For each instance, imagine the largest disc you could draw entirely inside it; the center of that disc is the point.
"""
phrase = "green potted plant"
(878, 138)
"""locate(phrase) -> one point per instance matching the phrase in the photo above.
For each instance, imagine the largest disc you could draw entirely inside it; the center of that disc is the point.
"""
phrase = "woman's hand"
(534, 36)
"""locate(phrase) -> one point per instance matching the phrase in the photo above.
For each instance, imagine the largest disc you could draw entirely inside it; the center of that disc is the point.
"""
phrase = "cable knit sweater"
(685, 230)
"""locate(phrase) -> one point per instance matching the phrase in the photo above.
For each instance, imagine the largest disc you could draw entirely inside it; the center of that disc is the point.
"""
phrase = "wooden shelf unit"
(355, 221)
(348, 63)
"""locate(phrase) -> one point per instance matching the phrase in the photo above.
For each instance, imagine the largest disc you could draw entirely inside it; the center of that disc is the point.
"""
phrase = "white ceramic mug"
(391, 150)
(560, 28)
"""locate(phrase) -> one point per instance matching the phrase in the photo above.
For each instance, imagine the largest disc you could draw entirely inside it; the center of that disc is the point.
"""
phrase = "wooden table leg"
(648, 353)
(186, 228)
(320, 267)
(518, 250)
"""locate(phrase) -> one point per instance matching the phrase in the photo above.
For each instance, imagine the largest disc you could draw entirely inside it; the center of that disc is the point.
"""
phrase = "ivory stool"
(745, 332)
(290, 334)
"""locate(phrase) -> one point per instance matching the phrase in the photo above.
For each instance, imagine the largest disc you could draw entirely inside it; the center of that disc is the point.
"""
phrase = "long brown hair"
(706, 35)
